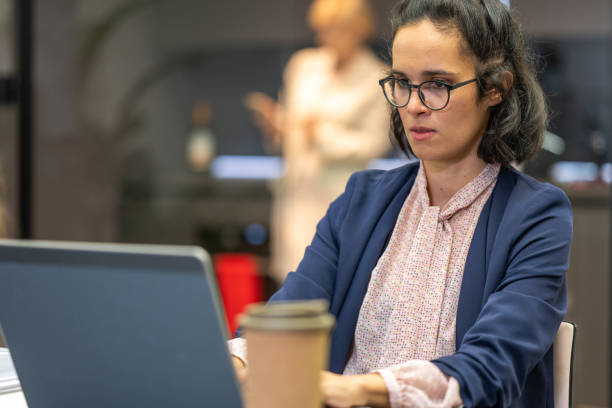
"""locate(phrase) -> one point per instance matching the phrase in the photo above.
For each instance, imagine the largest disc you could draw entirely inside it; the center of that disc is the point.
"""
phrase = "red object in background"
(239, 284)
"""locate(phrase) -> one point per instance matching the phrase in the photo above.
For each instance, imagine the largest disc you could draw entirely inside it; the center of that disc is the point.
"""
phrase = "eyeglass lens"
(433, 94)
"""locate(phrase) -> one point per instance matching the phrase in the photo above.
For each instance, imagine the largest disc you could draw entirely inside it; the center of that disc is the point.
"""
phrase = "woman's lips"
(421, 133)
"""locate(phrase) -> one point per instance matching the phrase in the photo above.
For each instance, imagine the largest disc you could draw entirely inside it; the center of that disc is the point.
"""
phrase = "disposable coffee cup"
(288, 347)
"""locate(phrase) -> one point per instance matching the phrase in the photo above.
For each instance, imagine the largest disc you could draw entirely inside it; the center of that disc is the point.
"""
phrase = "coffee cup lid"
(293, 315)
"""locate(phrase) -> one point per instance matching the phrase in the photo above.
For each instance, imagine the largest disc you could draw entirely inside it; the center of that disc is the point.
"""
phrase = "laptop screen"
(102, 325)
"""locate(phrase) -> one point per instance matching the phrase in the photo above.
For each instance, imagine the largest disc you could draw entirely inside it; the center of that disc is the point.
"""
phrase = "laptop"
(115, 325)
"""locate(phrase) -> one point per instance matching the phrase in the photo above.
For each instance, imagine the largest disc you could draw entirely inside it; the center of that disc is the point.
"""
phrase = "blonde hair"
(357, 12)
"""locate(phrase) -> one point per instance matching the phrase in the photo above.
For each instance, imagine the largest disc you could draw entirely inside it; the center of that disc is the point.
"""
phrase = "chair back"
(563, 350)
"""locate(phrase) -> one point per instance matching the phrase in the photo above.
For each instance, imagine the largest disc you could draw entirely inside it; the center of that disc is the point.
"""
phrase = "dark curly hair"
(490, 33)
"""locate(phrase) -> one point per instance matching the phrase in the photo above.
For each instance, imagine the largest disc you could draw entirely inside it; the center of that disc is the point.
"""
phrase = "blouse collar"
(462, 198)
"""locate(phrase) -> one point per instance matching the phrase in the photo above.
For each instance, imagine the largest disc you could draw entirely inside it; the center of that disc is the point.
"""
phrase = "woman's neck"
(342, 61)
(444, 180)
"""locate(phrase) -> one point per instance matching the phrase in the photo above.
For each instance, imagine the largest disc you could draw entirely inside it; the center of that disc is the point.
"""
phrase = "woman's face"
(422, 52)
(343, 38)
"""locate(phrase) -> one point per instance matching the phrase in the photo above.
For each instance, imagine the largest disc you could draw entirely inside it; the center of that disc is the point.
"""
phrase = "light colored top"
(350, 113)
(410, 308)
(408, 314)
(350, 127)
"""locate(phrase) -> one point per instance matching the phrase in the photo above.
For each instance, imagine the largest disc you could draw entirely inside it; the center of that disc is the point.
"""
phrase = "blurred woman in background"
(331, 121)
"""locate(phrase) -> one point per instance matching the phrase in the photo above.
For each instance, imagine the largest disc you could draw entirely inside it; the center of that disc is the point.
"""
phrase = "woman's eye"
(439, 83)
(402, 83)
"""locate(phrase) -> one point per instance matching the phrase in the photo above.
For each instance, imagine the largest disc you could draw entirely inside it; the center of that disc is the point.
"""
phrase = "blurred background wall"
(115, 83)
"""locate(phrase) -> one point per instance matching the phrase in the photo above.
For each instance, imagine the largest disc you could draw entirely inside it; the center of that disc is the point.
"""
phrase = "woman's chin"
(425, 153)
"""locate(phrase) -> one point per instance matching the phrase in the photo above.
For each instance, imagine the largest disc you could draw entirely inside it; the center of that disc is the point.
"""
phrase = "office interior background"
(115, 83)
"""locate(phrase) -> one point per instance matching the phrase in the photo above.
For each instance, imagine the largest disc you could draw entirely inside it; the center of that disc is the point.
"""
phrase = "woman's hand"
(353, 390)
(309, 126)
(241, 370)
(265, 113)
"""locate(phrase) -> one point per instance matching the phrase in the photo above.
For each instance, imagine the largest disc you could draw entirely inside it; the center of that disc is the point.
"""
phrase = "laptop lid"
(115, 325)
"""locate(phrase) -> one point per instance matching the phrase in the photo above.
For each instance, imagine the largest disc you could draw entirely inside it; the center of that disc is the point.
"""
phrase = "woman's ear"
(504, 81)
(493, 97)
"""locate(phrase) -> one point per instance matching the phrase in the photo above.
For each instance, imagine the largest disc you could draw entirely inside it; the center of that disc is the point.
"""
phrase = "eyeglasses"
(434, 94)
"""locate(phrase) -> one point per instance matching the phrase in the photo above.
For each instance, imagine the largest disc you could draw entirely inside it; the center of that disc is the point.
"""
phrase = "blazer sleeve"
(315, 277)
(519, 320)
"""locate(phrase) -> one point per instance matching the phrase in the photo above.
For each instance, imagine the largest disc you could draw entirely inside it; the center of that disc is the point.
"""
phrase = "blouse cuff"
(420, 384)
(238, 348)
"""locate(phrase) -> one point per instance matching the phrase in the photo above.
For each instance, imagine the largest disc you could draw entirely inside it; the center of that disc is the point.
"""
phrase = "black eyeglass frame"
(410, 86)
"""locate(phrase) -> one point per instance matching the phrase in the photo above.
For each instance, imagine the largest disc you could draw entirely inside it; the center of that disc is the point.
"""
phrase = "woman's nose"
(415, 104)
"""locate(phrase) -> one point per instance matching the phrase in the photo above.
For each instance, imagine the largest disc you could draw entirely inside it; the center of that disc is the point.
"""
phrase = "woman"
(447, 277)
(330, 123)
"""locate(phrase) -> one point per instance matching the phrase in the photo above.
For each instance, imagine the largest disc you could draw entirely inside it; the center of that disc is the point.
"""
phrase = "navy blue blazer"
(513, 295)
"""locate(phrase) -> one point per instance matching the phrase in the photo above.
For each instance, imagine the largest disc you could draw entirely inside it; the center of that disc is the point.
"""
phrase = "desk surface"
(13, 400)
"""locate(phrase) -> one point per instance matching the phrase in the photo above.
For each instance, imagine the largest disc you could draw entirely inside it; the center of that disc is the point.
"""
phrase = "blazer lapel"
(472, 296)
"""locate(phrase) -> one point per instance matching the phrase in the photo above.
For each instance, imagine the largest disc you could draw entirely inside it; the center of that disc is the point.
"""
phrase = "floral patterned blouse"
(409, 311)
